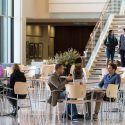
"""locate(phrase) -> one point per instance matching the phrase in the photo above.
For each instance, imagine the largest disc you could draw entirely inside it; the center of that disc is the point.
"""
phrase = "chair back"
(21, 88)
(112, 91)
(120, 70)
(86, 73)
(104, 71)
(9, 71)
(75, 91)
(46, 70)
(123, 80)
(32, 71)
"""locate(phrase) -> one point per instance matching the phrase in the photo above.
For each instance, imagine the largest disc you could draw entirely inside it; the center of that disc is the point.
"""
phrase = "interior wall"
(75, 37)
(38, 34)
(36, 8)
(47, 9)
(39, 9)
(85, 6)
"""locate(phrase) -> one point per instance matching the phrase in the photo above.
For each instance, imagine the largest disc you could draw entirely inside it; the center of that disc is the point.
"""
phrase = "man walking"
(122, 48)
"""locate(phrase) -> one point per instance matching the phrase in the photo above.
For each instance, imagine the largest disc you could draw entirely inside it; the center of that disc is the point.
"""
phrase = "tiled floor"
(25, 118)
(38, 117)
(37, 121)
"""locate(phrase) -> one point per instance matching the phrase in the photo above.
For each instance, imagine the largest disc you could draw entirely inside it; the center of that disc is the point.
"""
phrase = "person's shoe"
(80, 116)
(18, 108)
(88, 117)
(95, 117)
(13, 113)
(64, 116)
(74, 118)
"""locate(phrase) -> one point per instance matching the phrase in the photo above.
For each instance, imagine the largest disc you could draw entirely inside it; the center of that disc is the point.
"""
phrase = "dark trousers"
(14, 101)
(110, 54)
(122, 53)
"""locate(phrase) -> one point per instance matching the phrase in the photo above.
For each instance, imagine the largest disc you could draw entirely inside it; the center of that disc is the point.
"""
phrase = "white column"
(19, 33)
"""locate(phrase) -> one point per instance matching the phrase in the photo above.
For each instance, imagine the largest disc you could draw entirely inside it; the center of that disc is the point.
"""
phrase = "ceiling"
(63, 22)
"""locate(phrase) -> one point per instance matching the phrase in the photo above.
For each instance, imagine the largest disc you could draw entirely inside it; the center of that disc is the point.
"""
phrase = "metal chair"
(21, 88)
(112, 93)
(76, 93)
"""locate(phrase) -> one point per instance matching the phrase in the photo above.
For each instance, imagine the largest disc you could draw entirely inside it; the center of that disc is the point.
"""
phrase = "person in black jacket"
(110, 42)
(16, 76)
(122, 48)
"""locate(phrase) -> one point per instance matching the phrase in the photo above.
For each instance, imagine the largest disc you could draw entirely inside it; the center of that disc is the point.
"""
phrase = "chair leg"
(30, 104)
(71, 112)
(65, 111)
(17, 107)
(101, 111)
(58, 111)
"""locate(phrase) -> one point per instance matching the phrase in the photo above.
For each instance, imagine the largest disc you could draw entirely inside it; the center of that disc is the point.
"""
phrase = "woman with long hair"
(16, 76)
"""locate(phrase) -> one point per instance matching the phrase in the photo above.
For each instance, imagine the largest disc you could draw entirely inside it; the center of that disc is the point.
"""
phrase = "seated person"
(111, 78)
(77, 71)
(55, 83)
(78, 61)
(16, 76)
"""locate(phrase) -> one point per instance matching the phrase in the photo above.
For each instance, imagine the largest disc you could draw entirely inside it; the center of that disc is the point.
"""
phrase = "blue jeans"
(110, 53)
(74, 109)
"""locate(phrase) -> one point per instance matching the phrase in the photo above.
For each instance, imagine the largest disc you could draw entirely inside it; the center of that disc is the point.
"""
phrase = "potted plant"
(66, 58)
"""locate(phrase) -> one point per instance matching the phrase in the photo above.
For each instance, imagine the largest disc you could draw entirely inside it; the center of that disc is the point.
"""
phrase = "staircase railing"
(107, 10)
(99, 42)
(111, 7)
(122, 9)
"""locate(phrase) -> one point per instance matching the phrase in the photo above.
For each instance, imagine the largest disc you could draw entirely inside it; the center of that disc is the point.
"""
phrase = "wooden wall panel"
(71, 37)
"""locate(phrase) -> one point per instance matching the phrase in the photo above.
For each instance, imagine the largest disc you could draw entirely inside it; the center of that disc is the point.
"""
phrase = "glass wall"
(6, 31)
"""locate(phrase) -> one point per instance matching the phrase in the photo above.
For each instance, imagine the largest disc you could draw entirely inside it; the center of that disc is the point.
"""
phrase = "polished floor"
(38, 118)
(38, 121)
(41, 115)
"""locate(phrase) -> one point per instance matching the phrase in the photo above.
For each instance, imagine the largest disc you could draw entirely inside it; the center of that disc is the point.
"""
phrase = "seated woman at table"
(16, 76)
(111, 78)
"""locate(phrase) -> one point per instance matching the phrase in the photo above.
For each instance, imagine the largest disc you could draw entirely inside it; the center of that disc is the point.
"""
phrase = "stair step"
(91, 78)
(96, 74)
(100, 62)
(119, 16)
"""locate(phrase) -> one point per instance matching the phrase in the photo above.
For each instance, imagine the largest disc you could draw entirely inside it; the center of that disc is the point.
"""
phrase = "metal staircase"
(111, 18)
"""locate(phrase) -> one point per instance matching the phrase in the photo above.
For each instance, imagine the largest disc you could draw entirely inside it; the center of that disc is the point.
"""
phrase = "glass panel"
(6, 31)
(3, 27)
(4, 7)
(0, 7)
(10, 8)
(10, 39)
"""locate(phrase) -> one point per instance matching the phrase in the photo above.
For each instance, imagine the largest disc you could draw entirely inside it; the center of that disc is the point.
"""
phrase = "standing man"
(122, 48)
(110, 42)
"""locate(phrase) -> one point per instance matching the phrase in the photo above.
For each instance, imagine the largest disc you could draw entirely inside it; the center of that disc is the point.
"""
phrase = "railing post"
(122, 9)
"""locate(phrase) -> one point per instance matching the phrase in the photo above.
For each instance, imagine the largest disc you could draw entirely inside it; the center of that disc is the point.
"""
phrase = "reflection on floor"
(40, 115)
(25, 118)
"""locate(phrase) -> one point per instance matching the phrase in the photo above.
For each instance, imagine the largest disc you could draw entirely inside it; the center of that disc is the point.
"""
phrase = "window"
(6, 31)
